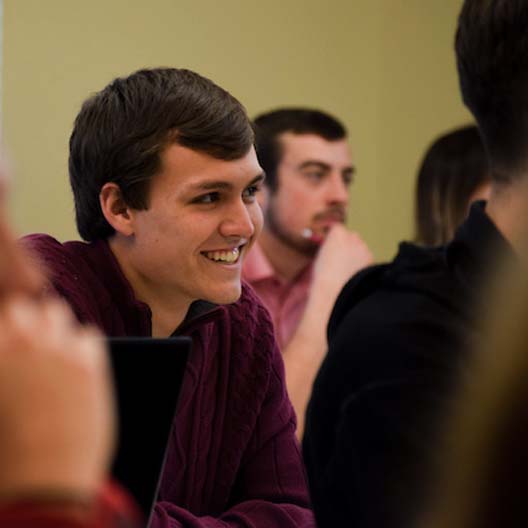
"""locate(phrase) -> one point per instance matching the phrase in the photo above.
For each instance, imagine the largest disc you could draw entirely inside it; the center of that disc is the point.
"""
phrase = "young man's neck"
(286, 261)
(508, 209)
(168, 311)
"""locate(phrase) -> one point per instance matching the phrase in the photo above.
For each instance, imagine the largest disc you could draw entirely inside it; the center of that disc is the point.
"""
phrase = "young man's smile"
(228, 256)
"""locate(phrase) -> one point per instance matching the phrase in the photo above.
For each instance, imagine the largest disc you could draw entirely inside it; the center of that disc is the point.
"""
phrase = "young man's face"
(313, 178)
(202, 219)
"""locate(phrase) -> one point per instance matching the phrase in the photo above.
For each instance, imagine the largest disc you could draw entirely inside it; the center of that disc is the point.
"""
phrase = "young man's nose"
(238, 221)
(337, 190)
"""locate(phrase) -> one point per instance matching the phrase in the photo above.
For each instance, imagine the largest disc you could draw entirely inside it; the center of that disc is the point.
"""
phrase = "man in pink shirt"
(304, 255)
(286, 300)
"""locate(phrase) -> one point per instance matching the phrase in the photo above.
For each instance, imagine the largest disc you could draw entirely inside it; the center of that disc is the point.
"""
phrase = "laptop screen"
(148, 374)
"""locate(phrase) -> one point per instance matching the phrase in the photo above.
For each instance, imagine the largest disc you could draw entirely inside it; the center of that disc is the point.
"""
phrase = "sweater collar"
(123, 295)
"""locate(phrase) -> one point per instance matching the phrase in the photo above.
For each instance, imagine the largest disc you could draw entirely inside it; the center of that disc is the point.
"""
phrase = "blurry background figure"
(483, 465)
(399, 332)
(305, 254)
(454, 173)
(56, 406)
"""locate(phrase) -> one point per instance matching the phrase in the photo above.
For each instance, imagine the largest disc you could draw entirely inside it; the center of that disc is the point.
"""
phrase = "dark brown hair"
(454, 166)
(121, 132)
(492, 59)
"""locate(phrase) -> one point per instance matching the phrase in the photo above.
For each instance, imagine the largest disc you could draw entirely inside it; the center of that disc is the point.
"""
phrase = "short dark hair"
(121, 131)
(269, 127)
(492, 58)
(454, 166)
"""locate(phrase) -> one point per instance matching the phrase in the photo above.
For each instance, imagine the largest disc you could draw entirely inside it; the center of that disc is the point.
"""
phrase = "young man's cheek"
(258, 219)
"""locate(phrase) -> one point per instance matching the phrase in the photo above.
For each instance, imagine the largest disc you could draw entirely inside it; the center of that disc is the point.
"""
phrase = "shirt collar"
(256, 265)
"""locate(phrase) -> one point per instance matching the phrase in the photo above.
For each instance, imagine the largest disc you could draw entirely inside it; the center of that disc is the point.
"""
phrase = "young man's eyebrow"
(325, 166)
(258, 179)
(316, 164)
(214, 185)
(210, 185)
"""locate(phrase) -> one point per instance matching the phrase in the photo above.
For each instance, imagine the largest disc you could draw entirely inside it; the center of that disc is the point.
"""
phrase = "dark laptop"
(148, 375)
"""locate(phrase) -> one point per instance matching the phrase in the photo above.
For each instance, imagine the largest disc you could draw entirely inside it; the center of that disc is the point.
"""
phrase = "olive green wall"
(386, 67)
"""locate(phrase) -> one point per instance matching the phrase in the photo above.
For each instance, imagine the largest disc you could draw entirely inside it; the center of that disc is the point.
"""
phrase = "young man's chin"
(225, 296)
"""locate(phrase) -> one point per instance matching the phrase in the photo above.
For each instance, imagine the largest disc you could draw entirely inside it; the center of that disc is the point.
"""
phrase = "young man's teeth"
(223, 256)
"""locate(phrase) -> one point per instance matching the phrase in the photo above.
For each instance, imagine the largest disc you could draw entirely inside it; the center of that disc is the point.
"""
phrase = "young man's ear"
(115, 209)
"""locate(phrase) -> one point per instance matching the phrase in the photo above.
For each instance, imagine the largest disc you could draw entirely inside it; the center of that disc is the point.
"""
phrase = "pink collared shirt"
(285, 301)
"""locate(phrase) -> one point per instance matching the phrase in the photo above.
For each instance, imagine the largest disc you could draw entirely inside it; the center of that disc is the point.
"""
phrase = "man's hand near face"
(342, 254)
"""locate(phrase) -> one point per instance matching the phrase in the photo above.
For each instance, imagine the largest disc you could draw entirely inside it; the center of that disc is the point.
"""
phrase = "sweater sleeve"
(271, 489)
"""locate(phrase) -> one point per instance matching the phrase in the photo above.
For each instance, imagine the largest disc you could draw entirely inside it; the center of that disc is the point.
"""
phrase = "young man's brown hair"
(121, 131)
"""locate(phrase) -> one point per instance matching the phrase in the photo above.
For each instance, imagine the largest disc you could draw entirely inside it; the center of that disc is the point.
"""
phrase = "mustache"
(334, 213)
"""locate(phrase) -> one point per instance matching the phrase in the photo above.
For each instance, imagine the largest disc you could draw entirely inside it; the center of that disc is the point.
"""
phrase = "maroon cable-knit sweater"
(233, 460)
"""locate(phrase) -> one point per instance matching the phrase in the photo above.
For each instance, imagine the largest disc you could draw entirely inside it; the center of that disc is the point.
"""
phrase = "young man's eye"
(314, 176)
(207, 198)
(348, 179)
(250, 192)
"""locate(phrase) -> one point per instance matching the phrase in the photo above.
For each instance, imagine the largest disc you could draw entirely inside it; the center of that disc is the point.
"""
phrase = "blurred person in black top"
(399, 332)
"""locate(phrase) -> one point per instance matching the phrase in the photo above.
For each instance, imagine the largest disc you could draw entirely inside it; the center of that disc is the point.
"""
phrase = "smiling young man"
(304, 255)
(202, 217)
(165, 176)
